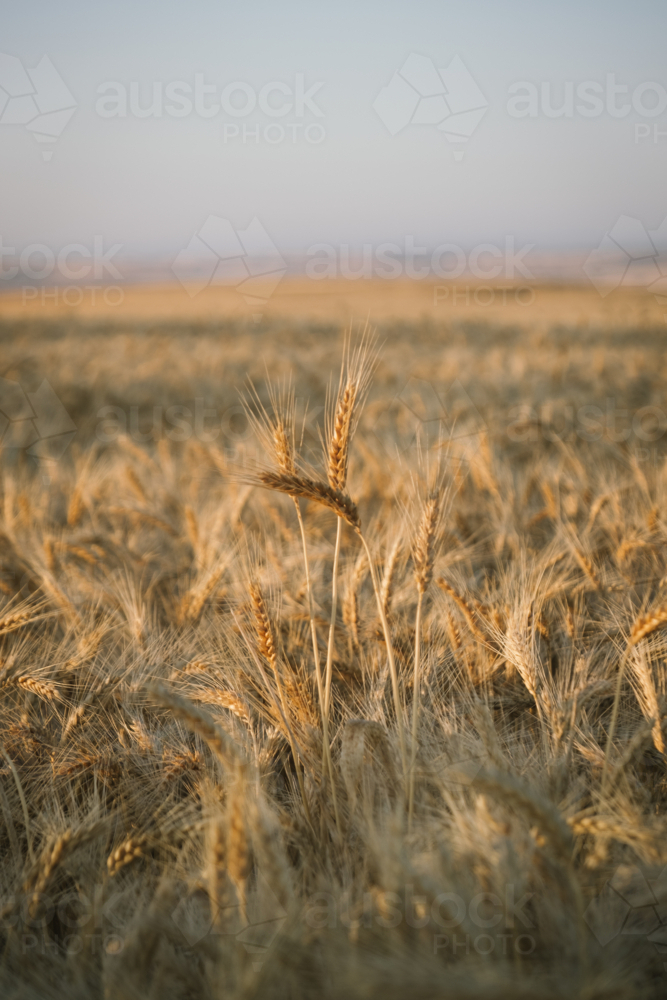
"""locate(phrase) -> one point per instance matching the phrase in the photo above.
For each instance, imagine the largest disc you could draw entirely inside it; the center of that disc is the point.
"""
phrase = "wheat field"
(332, 661)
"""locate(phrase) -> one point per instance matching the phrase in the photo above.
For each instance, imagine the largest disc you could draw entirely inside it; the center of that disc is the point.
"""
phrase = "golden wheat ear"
(274, 424)
(344, 408)
(423, 553)
(266, 640)
(311, 489)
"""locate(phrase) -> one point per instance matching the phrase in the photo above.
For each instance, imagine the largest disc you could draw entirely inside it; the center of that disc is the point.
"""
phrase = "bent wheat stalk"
(311, 489)
(645, 625)
(199, 722)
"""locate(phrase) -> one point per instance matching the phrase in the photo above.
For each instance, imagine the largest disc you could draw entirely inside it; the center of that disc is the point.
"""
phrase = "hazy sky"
(149, 183)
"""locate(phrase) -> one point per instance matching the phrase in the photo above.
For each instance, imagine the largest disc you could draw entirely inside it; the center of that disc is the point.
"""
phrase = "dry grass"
(217, 782)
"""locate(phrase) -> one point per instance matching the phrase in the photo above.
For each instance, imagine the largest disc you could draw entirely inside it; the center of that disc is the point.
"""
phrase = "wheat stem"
(318, 669)
(390, 657)
(282, 710)
(642, 627)
(416, 686)
(332, 625)
(24, 804)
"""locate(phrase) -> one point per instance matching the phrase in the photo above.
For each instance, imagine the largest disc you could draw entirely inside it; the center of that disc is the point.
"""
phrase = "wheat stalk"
(643, 627)
(199, 721)
(239, 858)
(648, 623)
(277, 432)
(266, 641)
(339, 442)
(351, 600)
(393, 672)
(389, 576)
(126, 853)
(75, 508)
(217, 868)
(465, 607)
(16, 620)
(267, 650)
(315, 490)
(647, 696)
(43, 689)
(423, 550)
(588, 567)
(423, 557)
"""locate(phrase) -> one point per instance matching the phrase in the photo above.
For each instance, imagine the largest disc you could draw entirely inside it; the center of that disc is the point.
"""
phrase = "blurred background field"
(300, 299)
(557, 347)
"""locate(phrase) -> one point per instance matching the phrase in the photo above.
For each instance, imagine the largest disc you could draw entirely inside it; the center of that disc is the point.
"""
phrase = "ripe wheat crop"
(336, 694)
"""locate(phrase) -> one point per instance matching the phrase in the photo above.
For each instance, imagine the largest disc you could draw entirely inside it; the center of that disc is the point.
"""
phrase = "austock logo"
(37, 98)
(393, 260)
(441, 421)
(594, 98)
(66, 267)
(247, 259)
(630, 255)
(34, 422)
(255, 926)
(237, 100)
(419, 94)
(97, 921)
(631, 905)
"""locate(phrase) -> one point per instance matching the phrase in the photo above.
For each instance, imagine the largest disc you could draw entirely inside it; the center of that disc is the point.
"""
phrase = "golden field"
(528, 304)
(348, 684)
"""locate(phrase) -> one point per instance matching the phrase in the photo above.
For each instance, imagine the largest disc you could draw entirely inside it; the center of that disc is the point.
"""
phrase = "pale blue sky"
(150, 183)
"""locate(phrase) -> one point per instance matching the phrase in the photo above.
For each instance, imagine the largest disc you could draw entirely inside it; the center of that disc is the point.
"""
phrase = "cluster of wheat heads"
(327, 737)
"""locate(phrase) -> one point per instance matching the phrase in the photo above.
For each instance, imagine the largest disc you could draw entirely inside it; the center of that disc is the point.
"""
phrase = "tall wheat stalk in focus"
(342, 417)
(277, 431)
(423, 556)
